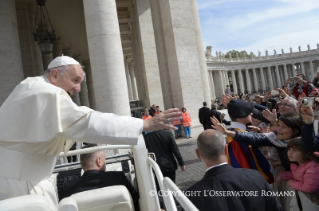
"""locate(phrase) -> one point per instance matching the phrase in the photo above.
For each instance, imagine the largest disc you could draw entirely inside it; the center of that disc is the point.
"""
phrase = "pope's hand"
(162, 120)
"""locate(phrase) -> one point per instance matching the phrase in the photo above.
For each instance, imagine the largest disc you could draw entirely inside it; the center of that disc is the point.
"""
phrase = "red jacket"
(306, 88)
(304, 177)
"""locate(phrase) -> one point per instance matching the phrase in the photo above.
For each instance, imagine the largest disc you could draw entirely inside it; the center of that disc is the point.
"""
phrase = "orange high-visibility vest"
(146, 117)
(177, 122)
(187, 121)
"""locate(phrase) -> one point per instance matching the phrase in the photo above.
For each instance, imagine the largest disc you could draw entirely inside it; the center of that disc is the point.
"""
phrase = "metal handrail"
(169, 187)
(94, 149)
(179, 195)
(168, 198)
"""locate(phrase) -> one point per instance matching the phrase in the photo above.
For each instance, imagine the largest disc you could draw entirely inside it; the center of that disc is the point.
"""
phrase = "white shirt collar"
(216, 166)
(238, 125)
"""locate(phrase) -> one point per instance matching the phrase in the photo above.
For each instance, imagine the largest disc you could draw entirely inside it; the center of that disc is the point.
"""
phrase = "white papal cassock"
(35, 122)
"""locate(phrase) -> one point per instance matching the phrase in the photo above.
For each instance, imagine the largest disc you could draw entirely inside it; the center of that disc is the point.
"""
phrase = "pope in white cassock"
(39, 116)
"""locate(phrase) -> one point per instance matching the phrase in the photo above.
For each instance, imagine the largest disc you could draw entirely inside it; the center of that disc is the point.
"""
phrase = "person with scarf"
(243, 155)
(288, 128)
(302, 86)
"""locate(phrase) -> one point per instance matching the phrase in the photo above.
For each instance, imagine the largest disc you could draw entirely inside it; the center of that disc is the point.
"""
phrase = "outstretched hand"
(270, 116)
(219, 127)
(162, 120)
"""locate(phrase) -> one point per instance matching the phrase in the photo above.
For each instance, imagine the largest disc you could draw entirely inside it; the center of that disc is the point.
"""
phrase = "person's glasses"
(285, 104)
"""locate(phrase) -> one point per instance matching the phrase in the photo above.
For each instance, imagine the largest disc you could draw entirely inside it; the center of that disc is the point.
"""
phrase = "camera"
(308, 102)
(274, 92)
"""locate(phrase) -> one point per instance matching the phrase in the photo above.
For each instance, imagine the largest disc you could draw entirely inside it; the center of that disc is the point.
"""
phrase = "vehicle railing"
(94, 149)
(169, 189)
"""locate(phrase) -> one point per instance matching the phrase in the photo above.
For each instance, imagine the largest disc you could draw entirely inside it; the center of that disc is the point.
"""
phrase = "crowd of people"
(259, 140)
(273, 130)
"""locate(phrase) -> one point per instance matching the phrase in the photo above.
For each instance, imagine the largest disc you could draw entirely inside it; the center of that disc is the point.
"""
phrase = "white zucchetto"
(62, 61)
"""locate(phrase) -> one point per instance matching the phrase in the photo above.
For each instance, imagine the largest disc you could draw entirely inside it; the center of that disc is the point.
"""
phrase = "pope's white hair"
(61, 69)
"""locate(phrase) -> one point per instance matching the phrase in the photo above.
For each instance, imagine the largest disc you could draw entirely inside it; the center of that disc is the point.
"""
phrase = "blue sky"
(254, 25)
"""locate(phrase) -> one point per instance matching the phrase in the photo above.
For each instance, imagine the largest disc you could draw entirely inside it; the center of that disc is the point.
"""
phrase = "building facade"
(259, 73)
(146, 50)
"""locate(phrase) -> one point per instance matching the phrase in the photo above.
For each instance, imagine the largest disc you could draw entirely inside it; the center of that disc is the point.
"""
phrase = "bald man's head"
(211, 145)
(94, 160)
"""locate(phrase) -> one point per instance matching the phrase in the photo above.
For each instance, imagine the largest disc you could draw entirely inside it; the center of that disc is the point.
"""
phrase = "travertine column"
(256, 87)
(75, 97)
(200, 50)
(161, 54)
(271, 84)
(84, 98)
(248, 80)
(226, 77)
(282, 76)
(57, 48)
(263, 82)
(27, 43)
(133, 81)
(10, 56)
(106, 56)
(277, 77)
(221, 78)
(148, 53)
(311, 70)
(241, 81)
(293, 70)
(128, 81)
(212, 84)
(234, 81)
(302, 66)
(182, 54)
(286, 72)
(89, 82)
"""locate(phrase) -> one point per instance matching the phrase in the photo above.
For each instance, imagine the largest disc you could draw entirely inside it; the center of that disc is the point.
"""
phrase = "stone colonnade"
(259, 78)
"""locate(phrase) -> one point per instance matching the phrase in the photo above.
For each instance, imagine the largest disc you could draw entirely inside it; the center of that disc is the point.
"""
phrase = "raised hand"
(270, 116)
(162, 120)
(282, 92)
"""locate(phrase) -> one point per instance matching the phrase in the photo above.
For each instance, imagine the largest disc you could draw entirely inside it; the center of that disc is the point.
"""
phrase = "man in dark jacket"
(95, 177)
(226, 188)
(162, 144)
(201, 113)
(209, 114)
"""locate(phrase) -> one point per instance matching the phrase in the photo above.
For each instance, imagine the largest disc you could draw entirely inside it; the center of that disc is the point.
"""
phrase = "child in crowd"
(304, 169)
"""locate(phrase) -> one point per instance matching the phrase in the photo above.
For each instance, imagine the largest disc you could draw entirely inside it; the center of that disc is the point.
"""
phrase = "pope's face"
(70, 80)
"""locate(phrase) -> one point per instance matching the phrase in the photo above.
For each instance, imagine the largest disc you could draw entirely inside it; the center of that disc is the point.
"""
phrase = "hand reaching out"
(270, 116)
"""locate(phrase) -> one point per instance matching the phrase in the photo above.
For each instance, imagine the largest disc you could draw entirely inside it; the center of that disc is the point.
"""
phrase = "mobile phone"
(252, 97)
(269, 106)
(274, 92)
(309, 102)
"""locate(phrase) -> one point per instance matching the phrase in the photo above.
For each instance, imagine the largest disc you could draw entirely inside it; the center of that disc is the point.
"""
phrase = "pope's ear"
(53, 76)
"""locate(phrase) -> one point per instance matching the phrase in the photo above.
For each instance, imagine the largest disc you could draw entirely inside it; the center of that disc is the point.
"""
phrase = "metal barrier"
(169, 189)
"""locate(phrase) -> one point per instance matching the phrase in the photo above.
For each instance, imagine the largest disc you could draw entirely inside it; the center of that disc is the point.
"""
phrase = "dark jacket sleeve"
(253, 139)
(273, 203)
(260, 107)
(310, 142)
(176, 152)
